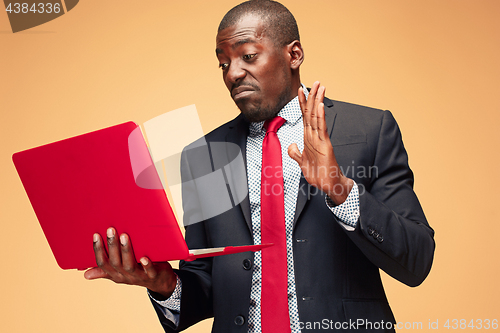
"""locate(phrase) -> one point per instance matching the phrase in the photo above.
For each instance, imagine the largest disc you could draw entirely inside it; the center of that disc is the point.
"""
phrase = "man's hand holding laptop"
(120, 266)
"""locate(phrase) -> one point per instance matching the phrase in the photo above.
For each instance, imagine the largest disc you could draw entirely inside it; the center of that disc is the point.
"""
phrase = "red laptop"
(85, 184)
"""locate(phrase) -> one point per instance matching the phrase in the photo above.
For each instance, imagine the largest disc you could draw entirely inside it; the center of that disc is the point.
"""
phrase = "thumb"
(149, 268)
(95, 273)
(294, 153)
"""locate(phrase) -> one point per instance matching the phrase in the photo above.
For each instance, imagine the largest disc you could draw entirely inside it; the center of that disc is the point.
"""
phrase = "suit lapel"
(304, 191)
(238, 135)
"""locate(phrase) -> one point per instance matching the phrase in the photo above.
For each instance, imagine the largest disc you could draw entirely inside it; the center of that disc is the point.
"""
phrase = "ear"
(296, 54)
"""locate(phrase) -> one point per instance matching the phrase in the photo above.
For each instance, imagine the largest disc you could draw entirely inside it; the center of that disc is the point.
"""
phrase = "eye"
(249, 56)
(223, 66)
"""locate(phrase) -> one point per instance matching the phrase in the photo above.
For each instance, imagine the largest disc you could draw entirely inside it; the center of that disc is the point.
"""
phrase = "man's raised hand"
(317, 161)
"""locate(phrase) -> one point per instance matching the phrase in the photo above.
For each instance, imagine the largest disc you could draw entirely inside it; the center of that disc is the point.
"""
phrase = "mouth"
(241, 92)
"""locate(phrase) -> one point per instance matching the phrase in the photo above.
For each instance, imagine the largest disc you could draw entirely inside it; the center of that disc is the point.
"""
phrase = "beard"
(256, 111)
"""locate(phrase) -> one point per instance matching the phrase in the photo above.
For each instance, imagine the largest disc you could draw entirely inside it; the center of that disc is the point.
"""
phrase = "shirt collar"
(290, 112)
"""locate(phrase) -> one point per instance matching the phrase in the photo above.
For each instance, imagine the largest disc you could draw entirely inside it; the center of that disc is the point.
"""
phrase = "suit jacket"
(336, 270)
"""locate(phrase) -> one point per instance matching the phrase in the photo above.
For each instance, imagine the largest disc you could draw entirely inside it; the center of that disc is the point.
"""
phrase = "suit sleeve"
(392, 231)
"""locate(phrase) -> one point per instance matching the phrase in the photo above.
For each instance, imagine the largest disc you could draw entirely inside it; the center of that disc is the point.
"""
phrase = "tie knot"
(273, 125)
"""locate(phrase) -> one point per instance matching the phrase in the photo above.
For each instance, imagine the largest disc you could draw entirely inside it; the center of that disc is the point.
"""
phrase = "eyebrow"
(237, 44)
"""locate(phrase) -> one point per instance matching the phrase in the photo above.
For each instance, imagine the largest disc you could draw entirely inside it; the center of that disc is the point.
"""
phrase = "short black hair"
(282, 27)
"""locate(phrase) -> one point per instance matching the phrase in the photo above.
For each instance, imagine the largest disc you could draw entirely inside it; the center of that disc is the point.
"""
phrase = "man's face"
(254, 70)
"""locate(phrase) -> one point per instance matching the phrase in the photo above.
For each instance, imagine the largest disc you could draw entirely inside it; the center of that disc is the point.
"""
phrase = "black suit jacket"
(336, 271)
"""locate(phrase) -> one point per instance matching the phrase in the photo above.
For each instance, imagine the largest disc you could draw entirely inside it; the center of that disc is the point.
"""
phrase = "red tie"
(275, 317)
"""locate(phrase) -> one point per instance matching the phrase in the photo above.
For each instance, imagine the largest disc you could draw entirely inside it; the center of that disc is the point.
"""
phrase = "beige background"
(434, 64)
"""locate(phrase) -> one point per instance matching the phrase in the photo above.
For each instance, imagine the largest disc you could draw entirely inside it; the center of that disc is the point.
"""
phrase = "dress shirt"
(292, 131)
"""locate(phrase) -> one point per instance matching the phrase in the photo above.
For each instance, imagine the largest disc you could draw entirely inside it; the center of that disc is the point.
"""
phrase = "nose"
(235, 73)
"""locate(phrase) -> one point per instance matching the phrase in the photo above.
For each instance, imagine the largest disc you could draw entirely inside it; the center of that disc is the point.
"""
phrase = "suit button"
(239, 320)
(375, 235)
(247, 264)
(370, 231)
(380, 239)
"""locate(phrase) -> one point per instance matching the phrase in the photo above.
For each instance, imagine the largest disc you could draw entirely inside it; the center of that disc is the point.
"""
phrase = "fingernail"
(144, 261)
(96, 238)
(123, 240)
(110, 233)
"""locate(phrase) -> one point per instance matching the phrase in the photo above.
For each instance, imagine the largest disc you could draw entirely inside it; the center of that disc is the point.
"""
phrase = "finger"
(302, 100)
(114, 252)
(309, 120)
(306, 105)
(322, 94)
(312, 93)
(312, 96)
(101, 257)
(322, 130)
(294, 153)
(128, 258)
(148, 267)
(314, 113)
(95, 273)
(303, 109)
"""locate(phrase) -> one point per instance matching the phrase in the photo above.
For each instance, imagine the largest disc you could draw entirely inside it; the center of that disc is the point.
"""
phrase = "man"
(337, 229)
